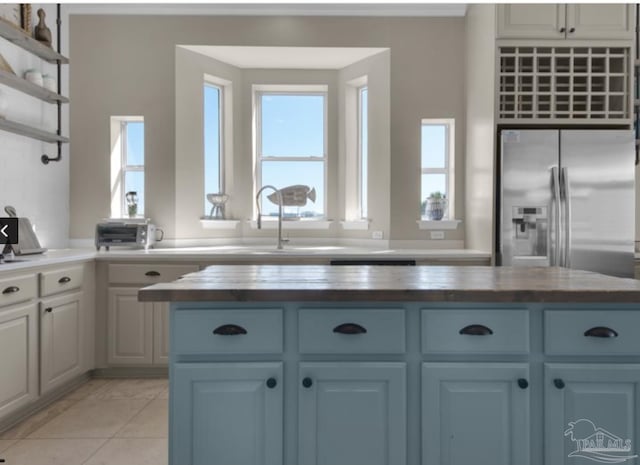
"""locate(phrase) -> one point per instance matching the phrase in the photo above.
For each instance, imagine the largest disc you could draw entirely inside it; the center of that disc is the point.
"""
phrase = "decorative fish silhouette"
(294, 196)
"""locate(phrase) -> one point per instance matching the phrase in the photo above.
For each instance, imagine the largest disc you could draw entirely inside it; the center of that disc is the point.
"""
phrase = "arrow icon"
(3, 230)
(8, 232)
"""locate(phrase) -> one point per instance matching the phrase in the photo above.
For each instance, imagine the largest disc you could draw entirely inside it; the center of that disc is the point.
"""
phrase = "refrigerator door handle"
(554, 249)
(566, 195)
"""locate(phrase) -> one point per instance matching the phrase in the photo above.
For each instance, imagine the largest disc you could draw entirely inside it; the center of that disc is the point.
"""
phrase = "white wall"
(39, 192)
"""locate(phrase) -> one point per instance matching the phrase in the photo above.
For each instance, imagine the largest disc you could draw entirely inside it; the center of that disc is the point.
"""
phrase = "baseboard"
(131, 372)
(43, 401)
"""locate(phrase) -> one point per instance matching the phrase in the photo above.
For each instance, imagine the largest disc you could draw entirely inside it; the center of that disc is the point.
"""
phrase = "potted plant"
(436, 205)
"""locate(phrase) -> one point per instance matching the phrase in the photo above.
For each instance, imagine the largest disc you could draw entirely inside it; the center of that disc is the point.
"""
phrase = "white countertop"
(239, 253)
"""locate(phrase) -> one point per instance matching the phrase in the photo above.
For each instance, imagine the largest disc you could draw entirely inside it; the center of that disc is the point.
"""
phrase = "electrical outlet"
(377, 235)
(437, 234)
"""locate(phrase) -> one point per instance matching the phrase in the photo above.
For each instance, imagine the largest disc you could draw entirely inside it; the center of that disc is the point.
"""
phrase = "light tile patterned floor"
(103, 422)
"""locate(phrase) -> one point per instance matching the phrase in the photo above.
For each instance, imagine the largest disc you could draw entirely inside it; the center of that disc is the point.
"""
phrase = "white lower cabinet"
(590, 411)
(18, 357)
(61, 340)
(227, 414)
(138, 332)
(352, 413)
(475, 413)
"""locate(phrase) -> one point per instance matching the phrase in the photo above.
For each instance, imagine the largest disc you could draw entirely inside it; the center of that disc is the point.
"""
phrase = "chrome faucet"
(279, 195)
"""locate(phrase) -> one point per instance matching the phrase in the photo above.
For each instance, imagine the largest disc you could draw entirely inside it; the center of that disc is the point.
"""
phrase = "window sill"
(353, 225)
(439, 225)
(219, 224)
(295, 224)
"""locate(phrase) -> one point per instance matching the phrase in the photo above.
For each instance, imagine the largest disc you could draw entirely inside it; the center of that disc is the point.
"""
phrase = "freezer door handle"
(566, 196)
(554, 230)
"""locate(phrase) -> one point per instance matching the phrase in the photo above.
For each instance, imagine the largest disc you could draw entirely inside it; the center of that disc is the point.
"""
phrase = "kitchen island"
(281, 364)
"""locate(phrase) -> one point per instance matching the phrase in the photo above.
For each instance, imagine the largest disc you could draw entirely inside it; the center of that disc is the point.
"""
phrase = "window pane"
(432, 183)
(292, 125)
(134, 181)
(434, 145)
(135, 143)
(211, 143)
(364, 150)
(281, 174)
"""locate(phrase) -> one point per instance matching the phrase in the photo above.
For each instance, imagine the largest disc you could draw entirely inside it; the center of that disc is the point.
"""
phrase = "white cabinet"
(227, 414)
(565, 21)
(475, 413)
(130, 328)
(18, 357)
(61, 340)
(160, 333)
(591, 406)
(352, 413)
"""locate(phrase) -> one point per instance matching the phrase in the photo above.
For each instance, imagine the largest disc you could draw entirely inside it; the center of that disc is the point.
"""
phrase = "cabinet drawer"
(148, 274)
(475, 331)
(17, 289)
(351, 331)
(52, 282)
(222, 331)
(591, 332)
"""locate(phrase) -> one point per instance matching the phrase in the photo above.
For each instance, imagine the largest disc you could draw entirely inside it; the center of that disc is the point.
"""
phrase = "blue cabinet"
(475, 413)
(590, 409)
(352, 413)
(226, 414)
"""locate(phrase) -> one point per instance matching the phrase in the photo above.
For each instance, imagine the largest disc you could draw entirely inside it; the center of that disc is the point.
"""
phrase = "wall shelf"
(24, 130)
(27, 87)
(25, 41)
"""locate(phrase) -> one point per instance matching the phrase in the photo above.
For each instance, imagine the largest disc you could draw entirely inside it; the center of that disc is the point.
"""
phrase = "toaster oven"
(140, 235)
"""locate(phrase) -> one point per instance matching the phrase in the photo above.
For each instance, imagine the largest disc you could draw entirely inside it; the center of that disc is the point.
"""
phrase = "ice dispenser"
(530, 233)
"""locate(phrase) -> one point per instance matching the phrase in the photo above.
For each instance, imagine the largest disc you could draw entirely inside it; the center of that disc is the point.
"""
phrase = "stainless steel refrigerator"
(567, 198)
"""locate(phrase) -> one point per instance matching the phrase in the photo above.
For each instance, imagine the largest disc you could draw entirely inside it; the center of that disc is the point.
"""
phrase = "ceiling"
(411, 8)
(285, 57)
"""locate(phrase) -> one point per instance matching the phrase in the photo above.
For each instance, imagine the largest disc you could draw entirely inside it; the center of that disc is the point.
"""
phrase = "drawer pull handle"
(601, 331)
(152, 273)
(271, 383)
(558, 383)
(11, 290)
(476, 330)
(307, 382)
(48, 310)
(229, 330)
(64, 280)
(523, 383)
(350, 328)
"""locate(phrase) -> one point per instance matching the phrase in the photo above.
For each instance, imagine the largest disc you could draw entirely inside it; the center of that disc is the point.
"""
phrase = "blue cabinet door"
(475, 413)
(226, 414)
(590, 410)
(352, 414)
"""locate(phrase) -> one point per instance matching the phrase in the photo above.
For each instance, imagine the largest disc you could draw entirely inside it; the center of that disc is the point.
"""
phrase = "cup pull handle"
(11, 290)
(64, 280)
(152, 273)
(476, 330)
(229, 330)
(601, 331)
(350, 328)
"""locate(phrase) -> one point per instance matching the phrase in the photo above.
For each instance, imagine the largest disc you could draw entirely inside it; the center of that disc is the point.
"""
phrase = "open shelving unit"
(564, 84)
(23, 40)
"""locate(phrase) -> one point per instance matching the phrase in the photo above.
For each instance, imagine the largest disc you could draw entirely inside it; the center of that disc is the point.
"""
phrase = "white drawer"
(147, 274)
(591, 332)
(221, 331)
(18, 289)
(55, 281)
(474, 331)
(351, 331)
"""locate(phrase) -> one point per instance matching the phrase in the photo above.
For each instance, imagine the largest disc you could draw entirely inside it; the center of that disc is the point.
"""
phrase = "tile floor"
(102, 422)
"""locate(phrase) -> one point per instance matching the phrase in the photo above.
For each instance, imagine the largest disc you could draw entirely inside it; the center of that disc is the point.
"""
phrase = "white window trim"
(448, 170)
(259, 90)
(353, 162)
(119, 168)
(363, 214)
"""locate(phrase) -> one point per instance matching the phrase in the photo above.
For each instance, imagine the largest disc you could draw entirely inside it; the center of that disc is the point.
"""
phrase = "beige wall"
(125, 65)
(480, 134)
